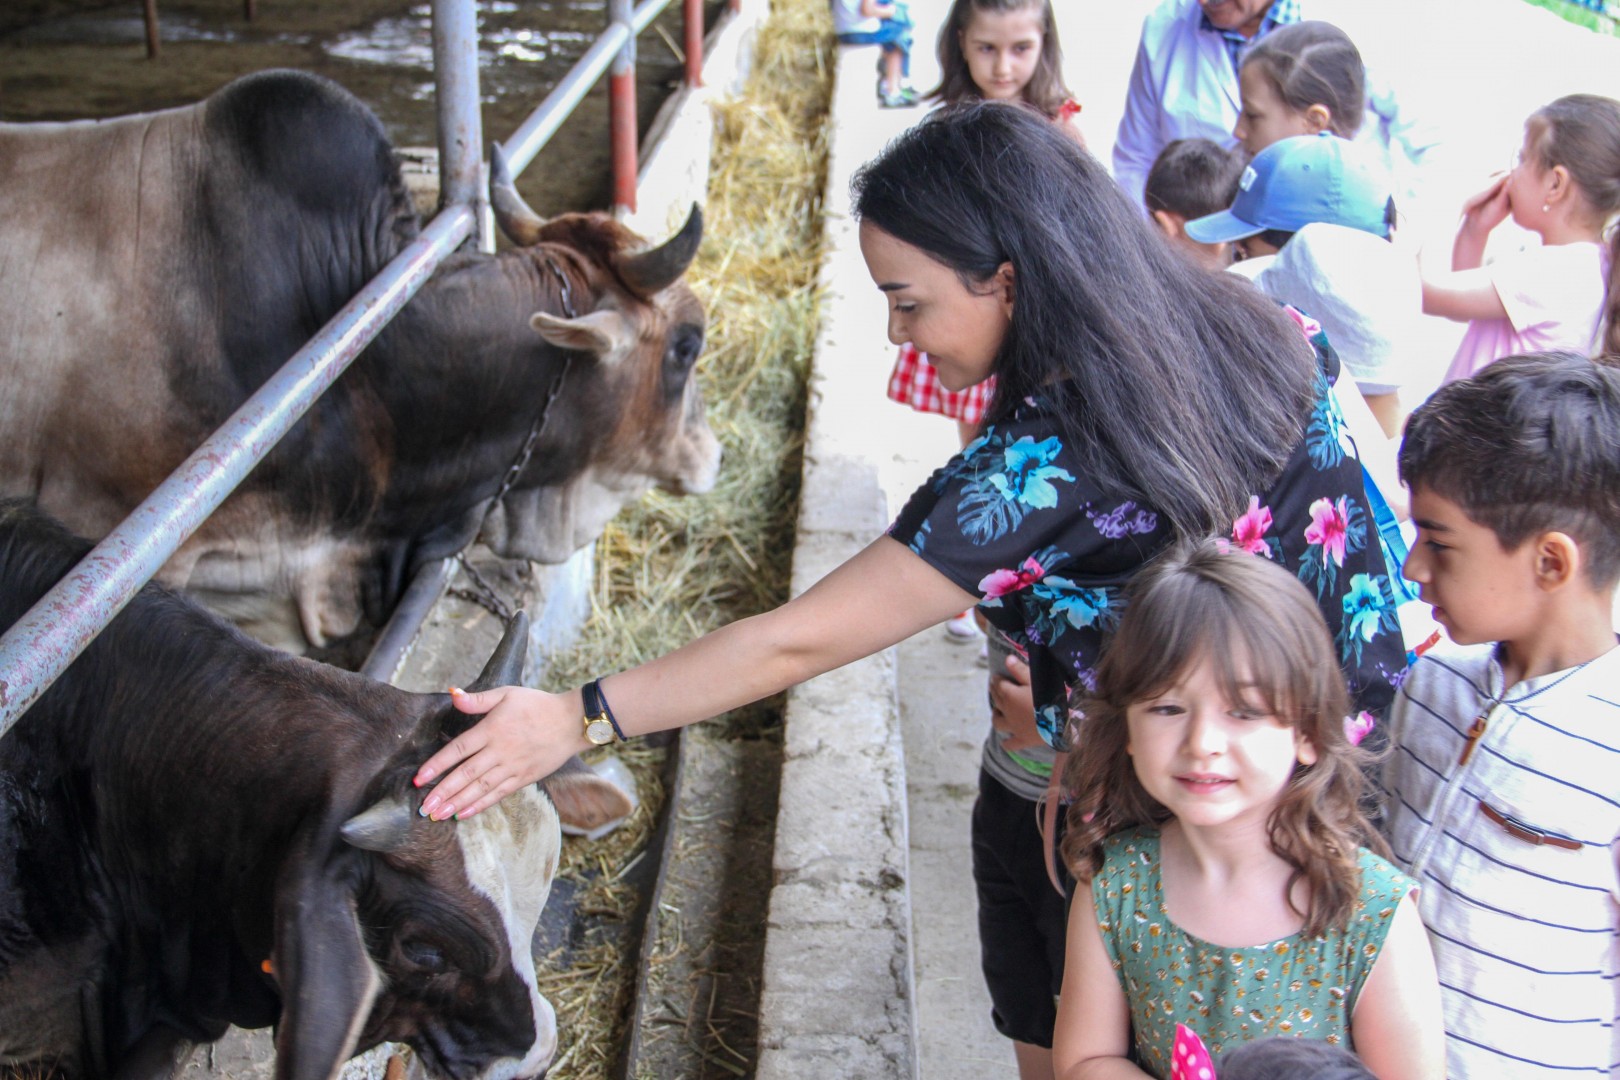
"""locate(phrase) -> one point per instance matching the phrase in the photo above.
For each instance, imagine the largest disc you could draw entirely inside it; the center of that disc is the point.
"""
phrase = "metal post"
(693, 13)
(461, 130)
(622, 113)
(149, 16)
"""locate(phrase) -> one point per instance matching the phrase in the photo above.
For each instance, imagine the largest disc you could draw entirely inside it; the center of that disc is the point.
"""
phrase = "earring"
(1545, 208)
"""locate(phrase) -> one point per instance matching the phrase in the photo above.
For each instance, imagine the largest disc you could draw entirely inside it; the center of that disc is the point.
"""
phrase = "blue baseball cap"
(1297, 181)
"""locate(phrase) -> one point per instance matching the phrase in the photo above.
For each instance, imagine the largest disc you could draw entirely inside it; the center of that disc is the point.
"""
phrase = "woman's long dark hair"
(1182, 388)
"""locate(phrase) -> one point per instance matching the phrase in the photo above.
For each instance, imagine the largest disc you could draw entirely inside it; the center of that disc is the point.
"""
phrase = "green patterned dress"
(1299, 986)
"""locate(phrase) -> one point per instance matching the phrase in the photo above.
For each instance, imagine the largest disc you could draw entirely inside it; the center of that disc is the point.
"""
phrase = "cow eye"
(424, 955)
(684, 346)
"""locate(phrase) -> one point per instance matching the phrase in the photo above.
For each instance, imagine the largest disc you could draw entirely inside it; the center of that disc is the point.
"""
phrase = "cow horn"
(651, 271)
(382, 826)
(505, 666)
(520, 223)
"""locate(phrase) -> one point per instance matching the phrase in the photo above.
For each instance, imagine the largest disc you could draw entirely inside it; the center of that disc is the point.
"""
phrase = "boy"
(883, 23)
(1503, 781)
(1192, 178)
(1293, 183)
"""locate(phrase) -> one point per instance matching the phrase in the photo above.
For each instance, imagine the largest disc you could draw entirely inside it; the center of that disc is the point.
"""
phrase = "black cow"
(156, 269)
(197, 830)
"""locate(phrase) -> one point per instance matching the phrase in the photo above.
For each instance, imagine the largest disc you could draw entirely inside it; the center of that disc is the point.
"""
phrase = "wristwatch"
(600, 726)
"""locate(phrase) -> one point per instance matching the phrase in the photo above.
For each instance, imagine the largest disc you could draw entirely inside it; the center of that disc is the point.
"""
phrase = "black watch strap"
(596, 705)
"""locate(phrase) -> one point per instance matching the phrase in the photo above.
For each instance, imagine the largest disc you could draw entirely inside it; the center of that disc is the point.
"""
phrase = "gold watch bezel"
(598, 730)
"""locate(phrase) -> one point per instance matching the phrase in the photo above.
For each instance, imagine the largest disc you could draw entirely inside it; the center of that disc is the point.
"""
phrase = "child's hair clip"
(1189, 1060)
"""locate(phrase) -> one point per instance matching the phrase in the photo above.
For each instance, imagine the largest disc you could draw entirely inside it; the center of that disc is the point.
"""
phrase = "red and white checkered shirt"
(915, 382)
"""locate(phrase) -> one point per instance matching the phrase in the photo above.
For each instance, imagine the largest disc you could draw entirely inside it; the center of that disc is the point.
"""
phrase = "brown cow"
(156, 269)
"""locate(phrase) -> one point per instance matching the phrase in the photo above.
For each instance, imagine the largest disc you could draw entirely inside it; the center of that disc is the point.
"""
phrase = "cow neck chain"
(483, 593)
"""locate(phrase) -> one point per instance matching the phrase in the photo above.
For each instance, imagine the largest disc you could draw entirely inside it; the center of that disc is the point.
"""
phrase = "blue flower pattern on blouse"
(1050, 555)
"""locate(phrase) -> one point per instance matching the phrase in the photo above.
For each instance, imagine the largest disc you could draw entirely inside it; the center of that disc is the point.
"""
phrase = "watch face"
(599, 731)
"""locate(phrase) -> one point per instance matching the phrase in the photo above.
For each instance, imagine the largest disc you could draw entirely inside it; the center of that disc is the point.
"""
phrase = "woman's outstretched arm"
(879, 597)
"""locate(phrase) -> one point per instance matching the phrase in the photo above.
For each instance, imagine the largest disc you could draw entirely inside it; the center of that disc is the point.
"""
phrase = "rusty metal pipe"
(461, 129)
(622, 131)
(692, 11)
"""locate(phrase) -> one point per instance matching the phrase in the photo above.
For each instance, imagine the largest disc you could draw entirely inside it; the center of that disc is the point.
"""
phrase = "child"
(1504, 783)
(1192, 178)
(1005, 50)
(1297, 181)
(876, 22)
(1285, 1058)
(1302, 79)
(996, 50)
(1363, 291)
(1220, 829)
(1564, 187)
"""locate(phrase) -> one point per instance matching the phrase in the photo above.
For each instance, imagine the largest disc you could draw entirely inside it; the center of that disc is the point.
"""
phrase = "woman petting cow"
(1140, 401)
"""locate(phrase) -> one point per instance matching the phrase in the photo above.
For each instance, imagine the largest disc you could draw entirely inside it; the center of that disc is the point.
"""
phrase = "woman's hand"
(524, 736)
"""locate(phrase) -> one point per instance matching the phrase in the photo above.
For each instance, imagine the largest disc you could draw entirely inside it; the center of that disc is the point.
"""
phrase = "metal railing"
(40, 646)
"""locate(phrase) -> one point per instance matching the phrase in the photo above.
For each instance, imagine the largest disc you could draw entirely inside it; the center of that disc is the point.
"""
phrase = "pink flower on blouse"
(1001, 582)
(1249, 531)
(1358, 727)
(1329, 520)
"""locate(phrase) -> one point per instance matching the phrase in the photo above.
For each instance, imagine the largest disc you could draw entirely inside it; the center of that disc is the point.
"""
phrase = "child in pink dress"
(1564, 187)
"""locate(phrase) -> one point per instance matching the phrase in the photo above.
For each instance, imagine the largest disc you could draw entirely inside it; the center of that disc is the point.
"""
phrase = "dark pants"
(1022, 919)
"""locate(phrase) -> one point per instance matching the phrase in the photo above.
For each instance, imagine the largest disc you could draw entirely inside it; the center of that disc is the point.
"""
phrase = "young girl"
(1302, 79)
(1142, 399)
(1218, 824)
(994, 50)
(1005, 50)
(1564, 187)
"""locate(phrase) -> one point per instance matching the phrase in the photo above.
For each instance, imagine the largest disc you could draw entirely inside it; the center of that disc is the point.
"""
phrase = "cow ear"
(327, 980)
(608, 334)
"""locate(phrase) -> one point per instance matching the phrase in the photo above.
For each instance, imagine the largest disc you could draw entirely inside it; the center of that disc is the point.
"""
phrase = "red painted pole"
(149, 15)
(693, 11)
(622, 112)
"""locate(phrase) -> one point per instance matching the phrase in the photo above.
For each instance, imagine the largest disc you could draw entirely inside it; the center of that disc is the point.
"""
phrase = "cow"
(155, 269)
(197, 830)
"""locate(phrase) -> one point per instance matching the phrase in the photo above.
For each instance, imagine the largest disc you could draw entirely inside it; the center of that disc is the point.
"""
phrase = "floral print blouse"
(1015, 520)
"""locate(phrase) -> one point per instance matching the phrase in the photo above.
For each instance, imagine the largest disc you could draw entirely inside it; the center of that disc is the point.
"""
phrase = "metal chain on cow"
(483, 594)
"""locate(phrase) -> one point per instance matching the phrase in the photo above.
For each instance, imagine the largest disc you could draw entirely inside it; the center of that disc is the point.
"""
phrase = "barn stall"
(676, 1000)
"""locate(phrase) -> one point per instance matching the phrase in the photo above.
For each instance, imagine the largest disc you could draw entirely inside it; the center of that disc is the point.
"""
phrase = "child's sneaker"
(963, 628)
(904, 98)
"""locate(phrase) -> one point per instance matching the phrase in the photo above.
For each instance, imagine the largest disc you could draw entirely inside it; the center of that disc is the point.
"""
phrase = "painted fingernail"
(425, 776)
(446, 812)
(454, 690)
(429, 804)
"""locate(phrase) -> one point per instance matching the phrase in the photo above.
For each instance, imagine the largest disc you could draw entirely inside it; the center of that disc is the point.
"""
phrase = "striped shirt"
(1504, 804)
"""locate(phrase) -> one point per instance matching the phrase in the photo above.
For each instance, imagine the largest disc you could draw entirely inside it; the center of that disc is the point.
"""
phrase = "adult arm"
(881, 596)
(1397, 1025)
(1138, 142)
(1093, 1031)
(1467, 292)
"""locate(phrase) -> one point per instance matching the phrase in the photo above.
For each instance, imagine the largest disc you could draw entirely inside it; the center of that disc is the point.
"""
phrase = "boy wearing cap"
(1293, 183)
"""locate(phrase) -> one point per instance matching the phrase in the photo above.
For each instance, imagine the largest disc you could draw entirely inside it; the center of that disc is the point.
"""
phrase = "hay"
(670, 569)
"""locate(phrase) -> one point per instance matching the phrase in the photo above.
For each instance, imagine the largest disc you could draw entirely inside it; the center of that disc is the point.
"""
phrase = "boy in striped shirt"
(1503, 780)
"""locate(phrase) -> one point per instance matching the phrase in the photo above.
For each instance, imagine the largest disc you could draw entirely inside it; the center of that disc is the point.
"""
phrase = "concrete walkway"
(881, 978)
